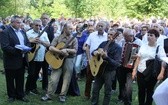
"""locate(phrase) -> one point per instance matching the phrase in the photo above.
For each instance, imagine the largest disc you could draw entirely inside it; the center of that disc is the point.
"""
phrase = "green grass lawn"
(71, 100)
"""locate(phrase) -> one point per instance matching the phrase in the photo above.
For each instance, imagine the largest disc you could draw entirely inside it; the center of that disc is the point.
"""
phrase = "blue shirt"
(81, 41)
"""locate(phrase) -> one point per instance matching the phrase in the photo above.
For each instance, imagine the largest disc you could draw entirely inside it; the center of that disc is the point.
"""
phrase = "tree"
(140, 8)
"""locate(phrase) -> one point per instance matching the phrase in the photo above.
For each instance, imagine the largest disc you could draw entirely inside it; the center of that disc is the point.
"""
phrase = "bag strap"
(157, 49)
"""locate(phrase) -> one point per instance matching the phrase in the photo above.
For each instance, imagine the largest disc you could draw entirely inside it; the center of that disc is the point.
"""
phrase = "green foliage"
(86, 8)
(140, 8)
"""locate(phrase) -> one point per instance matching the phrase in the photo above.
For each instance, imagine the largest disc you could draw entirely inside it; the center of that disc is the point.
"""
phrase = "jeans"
(78, 62)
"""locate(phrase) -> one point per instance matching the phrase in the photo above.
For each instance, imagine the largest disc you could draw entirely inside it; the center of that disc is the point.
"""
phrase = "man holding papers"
(14, 44)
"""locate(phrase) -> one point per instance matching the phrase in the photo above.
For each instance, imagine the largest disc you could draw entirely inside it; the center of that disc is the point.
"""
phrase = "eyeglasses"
(110, 34)
(38, 25)
(100, 26)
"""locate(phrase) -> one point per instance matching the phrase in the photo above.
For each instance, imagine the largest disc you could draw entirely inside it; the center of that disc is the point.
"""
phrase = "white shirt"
(145, 39)
(94, 40)
(160, 40)
(137, 41)
(41, 51)
(147, 52)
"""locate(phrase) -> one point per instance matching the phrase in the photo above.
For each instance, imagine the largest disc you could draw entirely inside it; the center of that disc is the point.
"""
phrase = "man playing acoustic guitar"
(38, 62)
(67, 54)
(112, 57)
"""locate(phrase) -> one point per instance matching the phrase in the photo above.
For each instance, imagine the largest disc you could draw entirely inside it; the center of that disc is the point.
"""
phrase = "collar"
(65, 36)
(34, 32)
(16, 29)
(100, 33)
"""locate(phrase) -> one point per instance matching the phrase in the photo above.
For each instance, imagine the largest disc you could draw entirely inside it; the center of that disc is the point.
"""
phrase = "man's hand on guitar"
(64, 52)
(34, 40)
(96, 53)
(104, 54)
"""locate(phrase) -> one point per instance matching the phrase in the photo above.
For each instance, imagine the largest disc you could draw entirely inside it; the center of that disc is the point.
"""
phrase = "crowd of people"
(125, 49)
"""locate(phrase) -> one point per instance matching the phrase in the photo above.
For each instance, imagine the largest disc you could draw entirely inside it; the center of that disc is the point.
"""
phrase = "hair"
(115, 25)
(128, 31)
(36, 20)
(44, 14)
(66, 25)
(154, 31)
(13, 18)
(111, 29)
(144, 26)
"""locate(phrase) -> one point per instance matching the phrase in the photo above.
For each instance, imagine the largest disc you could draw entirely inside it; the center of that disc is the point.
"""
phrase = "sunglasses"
(155, 26)
(110, 34)
(38, 25)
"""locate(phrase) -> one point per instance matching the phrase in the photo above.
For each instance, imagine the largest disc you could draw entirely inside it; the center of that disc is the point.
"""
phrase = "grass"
(71, 100)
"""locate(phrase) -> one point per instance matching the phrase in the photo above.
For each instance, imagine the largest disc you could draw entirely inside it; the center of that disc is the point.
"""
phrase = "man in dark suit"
(14, 46)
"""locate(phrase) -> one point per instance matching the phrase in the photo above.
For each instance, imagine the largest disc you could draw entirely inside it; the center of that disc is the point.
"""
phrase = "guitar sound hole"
(98, 57)
(61, 57)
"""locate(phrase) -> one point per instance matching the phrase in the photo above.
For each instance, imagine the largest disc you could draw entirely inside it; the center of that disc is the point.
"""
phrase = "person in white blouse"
(147, 52)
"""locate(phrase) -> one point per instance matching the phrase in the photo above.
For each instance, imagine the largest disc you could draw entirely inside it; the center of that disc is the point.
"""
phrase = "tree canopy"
(86, 8)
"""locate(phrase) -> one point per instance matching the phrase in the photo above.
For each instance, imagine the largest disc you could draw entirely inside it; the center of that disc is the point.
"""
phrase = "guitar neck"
(69, 41)
(45, 28)
(107, 45)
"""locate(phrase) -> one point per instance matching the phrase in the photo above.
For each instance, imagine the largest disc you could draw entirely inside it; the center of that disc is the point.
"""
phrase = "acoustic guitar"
(96, 61)
(36, 46)
(56, 60)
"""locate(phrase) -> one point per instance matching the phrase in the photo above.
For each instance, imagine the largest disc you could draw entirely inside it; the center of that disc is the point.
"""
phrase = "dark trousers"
(15, 82)
(106, 79)
(89, 79)
(124, 76)
(114, 83)
(33, 75)
(145, 89)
